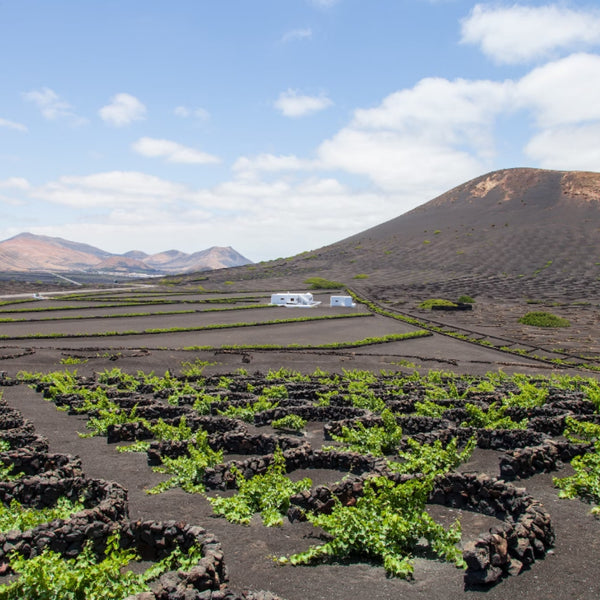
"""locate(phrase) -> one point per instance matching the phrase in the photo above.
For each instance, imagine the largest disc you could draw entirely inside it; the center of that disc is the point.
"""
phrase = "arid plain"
(222, 320)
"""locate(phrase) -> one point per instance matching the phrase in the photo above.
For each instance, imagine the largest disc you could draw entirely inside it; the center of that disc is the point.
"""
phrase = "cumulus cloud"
(110, 189)
(52, 106)
(296, 34)
(197, 113)
(400, 163)
(257, 217)
(271, 163)
(423, 139)
(12, 125)
(564, 91)
(122, 110)
(456, 111)
(439, 133)
(567, 148)
(293, 104)
(16, 183)
(172, 152)
(517, 33)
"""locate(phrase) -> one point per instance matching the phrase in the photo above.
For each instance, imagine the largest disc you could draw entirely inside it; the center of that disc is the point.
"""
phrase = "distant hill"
(515, 232)
(29, 252)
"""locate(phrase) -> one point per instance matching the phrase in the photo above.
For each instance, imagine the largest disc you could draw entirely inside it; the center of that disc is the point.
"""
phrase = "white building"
(341, 301)
(304, 300)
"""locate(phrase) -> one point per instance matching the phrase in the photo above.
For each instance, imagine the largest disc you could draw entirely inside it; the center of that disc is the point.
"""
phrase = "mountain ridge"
(26, 252)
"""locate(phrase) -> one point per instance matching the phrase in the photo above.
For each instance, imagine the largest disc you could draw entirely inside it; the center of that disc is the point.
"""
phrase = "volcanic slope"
(510, 233)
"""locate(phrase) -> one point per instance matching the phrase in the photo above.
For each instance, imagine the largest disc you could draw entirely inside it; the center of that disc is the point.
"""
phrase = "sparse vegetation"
(290, 423)
(427, 304)
(543, 319)
(268, 494)
(388, 523)
(585, 483)
(319, 283)
(49, 576)
(72, 360)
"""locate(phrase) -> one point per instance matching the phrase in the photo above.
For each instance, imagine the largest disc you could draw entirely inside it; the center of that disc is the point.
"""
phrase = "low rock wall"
(525, 535)
(24, 438)
(223, 476)
(310, 413)
(233, 442)
(32, 462)
(105, 502)
(544, 458)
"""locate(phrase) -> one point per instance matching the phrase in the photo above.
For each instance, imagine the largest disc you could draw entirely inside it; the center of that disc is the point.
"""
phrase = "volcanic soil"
(569, 570)
(515, 241)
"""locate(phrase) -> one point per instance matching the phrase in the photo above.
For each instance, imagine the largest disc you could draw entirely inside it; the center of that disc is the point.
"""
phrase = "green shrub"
(585, 483)
(388, 523)
(17, 517)
(361, 276)
(268, 494)
(289, 422)
(72, 360)
(86, 577)
(187, 472)
(319, 283)
(427, 304)
(375, 440)
(543, 319)
(432, 459)
(466, 299)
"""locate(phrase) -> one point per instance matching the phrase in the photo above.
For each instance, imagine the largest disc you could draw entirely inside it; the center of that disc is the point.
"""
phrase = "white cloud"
(564, 91)
(567, 148)
(458, 111)
(399, 163)
(258, 218)
(17, 183)
(52, 106)
(296, 34)
(123, 110)
(439, 133)
(515, 34)
(12, 125)
(293, 104)
(172, 151)
(196, 113)
(424, 139)
(110, 189)
(271, 163)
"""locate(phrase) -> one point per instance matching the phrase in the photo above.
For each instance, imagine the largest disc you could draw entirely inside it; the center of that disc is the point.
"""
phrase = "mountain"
(212, 258)
(29, 252)
(519, 231)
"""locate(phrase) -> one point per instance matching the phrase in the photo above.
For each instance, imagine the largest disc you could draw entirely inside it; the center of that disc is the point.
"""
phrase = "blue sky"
(278, 126)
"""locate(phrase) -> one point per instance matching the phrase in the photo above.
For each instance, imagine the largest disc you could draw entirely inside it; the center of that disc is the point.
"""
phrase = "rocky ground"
(568, 570)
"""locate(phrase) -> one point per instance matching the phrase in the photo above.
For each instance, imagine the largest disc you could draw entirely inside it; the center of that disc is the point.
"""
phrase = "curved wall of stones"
(525, 535)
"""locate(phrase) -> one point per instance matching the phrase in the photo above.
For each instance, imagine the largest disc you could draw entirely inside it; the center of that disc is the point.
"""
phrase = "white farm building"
(304, 300)
(341, 301)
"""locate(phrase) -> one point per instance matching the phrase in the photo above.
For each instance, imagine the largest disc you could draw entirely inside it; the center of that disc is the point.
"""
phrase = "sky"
(278, 126)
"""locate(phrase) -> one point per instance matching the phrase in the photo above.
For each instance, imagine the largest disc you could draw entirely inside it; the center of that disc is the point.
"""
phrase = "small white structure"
(341, 301)
(304, 300)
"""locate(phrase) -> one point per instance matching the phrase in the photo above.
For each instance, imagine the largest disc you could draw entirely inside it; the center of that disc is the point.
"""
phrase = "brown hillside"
(31, 252)
(511, 233)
